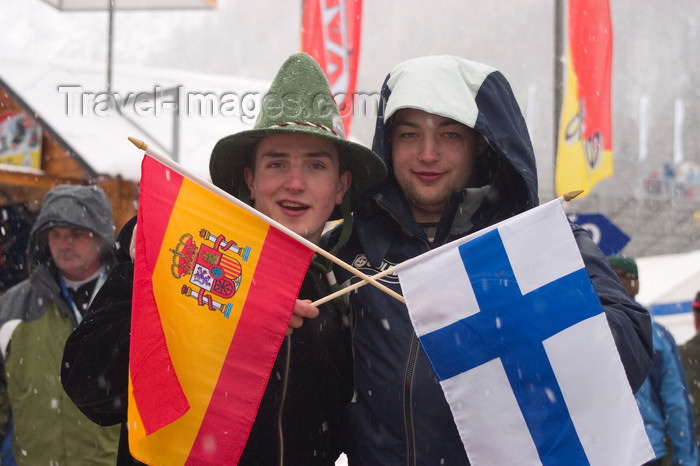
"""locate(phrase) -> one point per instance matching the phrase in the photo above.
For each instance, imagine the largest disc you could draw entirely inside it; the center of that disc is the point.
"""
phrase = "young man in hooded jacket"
(296, 167)
(459, 159)
(69, 254)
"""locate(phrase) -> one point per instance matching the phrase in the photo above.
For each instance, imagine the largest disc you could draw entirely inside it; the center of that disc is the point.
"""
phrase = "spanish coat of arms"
(214, 274)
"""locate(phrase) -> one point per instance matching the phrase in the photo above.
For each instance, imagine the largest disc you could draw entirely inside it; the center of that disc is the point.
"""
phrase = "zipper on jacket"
(407, 404)
(412, 356)
(283, 399)
(407, 231)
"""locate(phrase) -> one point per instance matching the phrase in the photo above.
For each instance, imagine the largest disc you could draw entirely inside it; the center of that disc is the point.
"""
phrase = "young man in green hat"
(296, 167)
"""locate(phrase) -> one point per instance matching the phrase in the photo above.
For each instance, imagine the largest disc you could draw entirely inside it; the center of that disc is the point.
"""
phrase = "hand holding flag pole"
(318, 250)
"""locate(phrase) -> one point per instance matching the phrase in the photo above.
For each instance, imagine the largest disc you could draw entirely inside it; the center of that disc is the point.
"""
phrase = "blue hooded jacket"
(399, 414)
(665, 404)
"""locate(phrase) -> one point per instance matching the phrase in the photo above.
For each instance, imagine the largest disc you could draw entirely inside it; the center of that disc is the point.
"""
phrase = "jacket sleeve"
(629, 322)
(95, 367)
(14, 305)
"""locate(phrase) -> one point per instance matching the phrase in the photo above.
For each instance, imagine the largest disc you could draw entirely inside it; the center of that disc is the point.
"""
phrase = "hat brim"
(232, 154)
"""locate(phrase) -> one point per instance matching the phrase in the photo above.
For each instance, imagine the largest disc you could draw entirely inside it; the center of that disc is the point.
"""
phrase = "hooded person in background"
(296, 167)
(690, 355)
(69, 255)
(663, 399)
(460, 159)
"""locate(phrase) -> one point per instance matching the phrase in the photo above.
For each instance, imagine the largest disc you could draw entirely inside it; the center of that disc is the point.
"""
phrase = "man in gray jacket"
(69, 255)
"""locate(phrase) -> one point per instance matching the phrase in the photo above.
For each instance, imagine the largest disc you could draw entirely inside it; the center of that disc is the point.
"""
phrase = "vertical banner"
(330, 33)
(584, 149)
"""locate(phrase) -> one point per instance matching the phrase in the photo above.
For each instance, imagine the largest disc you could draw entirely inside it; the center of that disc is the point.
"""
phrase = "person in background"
(690, 355)
(69, 255)
(296, 167)
(460, 159)
(663, 399)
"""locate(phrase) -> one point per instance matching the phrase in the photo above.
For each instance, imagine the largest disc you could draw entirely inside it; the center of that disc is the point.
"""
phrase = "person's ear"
(343, 186)
(249, 178)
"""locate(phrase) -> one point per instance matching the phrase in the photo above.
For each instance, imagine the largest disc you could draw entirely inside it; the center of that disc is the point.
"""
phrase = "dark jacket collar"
(389, 216)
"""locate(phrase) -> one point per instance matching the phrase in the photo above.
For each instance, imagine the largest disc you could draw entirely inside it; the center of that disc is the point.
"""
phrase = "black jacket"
(310, 383)
(305, 417)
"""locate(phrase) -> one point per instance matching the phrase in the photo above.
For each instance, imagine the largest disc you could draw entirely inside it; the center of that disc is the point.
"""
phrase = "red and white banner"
(331, 35)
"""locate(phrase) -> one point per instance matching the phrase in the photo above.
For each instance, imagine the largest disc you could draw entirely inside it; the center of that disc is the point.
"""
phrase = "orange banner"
(584, 152)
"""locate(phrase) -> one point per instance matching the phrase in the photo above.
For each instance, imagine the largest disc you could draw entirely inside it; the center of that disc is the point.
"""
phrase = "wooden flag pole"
(220, 192)
(138, 143)
(567, 197)
(354, 286)
(571, 195)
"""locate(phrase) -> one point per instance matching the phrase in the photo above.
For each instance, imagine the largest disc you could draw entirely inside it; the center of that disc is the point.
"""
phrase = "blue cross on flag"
(522, 347)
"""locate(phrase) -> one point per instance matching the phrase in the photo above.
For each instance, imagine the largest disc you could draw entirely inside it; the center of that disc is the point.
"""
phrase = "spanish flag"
(214, 288)
(584, 152)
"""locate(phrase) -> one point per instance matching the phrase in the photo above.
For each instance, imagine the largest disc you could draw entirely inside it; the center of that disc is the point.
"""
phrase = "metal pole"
(109, 47)
(559, 30)
(176, 125)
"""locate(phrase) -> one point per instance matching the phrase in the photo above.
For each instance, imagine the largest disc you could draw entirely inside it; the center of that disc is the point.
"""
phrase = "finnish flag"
(515, 332)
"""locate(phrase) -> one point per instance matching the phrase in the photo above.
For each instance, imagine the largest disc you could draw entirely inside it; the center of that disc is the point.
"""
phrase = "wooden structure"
(59, 165)
(22, 190)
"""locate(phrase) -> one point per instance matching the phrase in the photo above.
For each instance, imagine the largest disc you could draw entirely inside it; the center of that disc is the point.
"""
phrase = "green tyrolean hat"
(299, 102)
